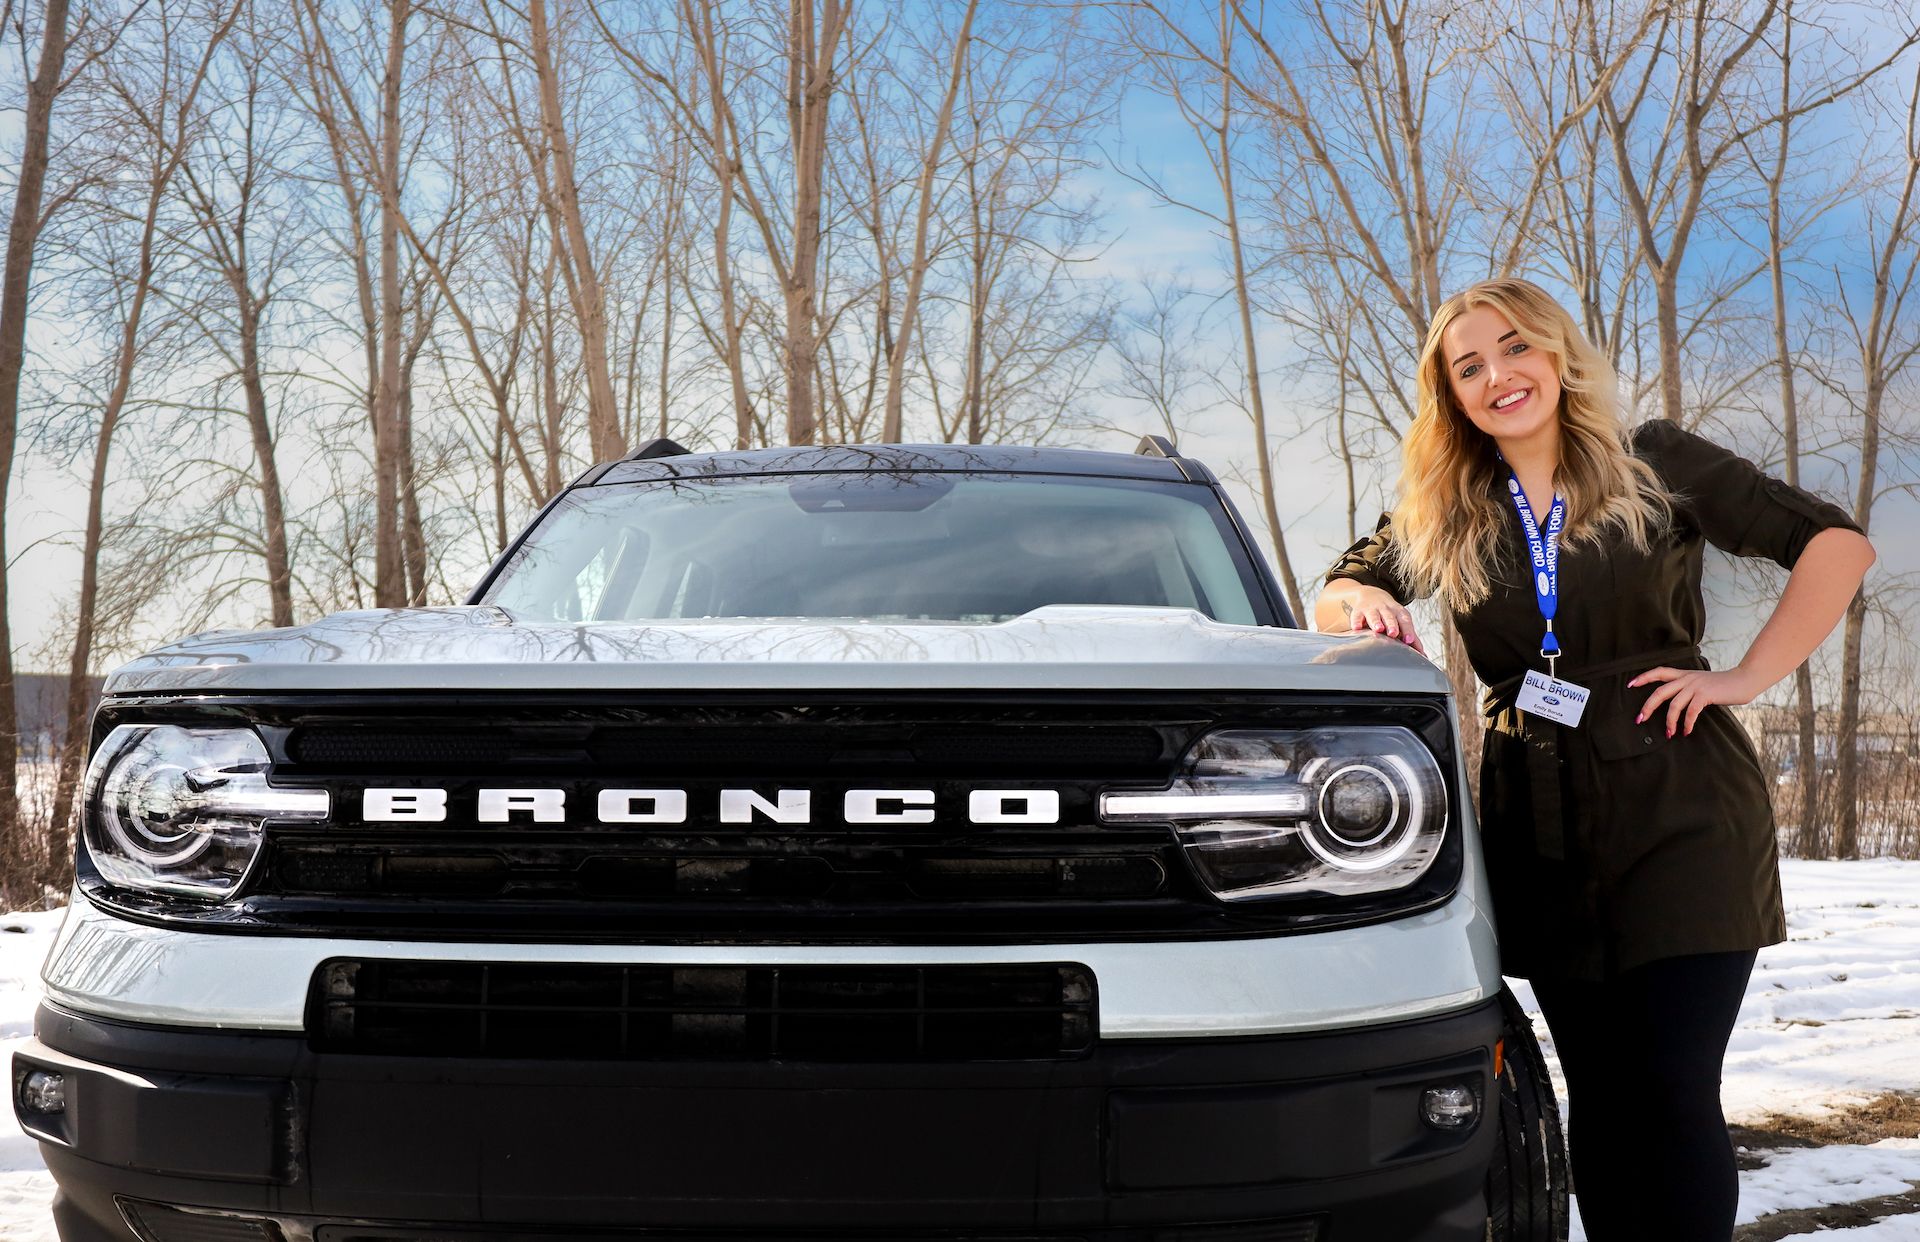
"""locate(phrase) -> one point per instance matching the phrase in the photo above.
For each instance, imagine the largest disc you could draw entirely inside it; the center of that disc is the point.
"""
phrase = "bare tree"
(709, 114)
(1222, 155)
(1886, 337)
(557, 182)
(23, 232)
(1668, 165)
(1774, 174)
(814, 33)
(161, 110)
(369, 157)
(389, 583)
(923, 196)
(226, 200)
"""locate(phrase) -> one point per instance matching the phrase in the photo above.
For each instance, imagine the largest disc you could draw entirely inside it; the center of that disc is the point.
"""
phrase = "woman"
(1630, 843)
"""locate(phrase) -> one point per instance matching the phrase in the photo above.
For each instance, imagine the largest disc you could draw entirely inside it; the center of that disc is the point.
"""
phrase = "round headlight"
(179, 809)
(1343, 810)
(1359, 805)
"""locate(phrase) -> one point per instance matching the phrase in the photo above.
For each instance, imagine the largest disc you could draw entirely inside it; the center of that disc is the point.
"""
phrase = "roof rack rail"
(658, 447)
(1155, 446)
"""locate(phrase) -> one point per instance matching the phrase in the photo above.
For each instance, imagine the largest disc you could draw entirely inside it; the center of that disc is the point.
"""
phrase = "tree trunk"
(977, 346)
(666, 337)
(1810, 840)
(1667, 303)
(500, 482)
(810, 83)
(272, 501)
(413, 540)
(730, 317)
(1846, 767)
(74, 740)
(1466, 695)
(389, 583)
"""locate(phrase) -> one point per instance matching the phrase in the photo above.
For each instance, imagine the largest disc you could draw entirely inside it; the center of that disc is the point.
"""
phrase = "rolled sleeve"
(1370, 562)
(1737, 507)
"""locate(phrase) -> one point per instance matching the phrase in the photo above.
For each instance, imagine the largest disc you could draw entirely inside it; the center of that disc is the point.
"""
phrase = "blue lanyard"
(1546, 560)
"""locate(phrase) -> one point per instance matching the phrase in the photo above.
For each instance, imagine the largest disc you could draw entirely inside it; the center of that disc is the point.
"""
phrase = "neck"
(1532, 457)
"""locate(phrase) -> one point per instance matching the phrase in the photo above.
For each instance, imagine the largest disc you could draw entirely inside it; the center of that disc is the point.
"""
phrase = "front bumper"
(1310, 1136)
(1437, 961)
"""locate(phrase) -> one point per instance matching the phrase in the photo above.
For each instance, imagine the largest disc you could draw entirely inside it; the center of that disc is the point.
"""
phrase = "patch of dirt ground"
(1893, 1115)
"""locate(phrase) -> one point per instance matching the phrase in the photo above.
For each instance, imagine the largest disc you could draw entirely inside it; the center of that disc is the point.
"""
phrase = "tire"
(1527, 1180)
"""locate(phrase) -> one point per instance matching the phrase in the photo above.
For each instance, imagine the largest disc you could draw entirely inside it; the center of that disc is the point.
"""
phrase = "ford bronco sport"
(817, 843)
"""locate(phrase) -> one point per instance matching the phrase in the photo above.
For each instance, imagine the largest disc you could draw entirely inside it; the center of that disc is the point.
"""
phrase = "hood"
(1060, 647)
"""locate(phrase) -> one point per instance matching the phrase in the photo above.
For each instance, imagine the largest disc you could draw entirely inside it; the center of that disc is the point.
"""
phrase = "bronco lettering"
(423, 804)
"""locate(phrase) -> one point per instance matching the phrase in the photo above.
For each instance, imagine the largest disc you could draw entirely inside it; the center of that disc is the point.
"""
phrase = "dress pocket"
(1609, 721)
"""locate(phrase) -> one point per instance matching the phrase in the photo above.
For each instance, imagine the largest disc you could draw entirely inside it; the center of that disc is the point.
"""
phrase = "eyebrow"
(1473, 353)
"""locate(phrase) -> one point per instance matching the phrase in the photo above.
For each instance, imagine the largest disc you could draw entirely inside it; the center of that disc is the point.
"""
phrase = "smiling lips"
(1508, 400)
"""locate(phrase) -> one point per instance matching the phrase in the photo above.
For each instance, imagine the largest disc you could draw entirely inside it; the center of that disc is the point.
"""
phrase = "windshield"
(917, 546)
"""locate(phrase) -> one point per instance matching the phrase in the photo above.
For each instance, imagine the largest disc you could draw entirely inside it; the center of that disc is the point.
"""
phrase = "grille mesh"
(355, 747)
(741, 748)
(612, 1011)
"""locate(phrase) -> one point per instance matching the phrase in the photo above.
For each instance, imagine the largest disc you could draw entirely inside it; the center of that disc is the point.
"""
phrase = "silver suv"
(863, 842)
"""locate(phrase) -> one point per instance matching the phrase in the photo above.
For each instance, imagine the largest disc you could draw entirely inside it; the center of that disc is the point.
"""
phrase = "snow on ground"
(1821, 1176)
(25, 1187)
(1832, 1017)
(1890, 1229)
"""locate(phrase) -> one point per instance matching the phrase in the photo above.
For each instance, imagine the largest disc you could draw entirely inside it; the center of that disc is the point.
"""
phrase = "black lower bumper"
(1270, 1139)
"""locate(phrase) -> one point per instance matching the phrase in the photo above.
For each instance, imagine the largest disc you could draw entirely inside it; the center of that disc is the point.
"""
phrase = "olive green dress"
(1610, 844)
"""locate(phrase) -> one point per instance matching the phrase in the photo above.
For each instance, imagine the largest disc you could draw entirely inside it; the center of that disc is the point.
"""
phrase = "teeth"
(1509, 399)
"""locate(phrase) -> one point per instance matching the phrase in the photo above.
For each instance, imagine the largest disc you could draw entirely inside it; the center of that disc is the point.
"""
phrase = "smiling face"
(1506, 387)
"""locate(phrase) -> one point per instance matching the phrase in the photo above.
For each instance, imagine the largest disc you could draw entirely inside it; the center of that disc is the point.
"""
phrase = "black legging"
(1642, 1054)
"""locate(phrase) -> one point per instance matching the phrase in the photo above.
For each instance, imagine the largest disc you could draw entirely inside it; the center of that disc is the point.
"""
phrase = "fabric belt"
(1542, 737)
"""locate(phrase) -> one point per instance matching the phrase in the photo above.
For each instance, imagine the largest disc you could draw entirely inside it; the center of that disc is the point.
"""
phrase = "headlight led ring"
(138, 819)
(1393, 805)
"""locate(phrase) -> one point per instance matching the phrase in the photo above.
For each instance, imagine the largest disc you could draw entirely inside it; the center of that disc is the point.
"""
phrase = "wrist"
(1753, 682)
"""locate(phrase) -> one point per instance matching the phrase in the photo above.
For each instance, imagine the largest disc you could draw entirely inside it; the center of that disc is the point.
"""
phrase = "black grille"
(752, 1013)
(743, 748)
(953, 878)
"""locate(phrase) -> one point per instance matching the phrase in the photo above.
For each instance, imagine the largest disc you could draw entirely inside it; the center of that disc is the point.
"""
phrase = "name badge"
(1560, 701)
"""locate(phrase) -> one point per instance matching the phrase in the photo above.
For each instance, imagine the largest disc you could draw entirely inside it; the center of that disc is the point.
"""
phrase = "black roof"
(966, 458)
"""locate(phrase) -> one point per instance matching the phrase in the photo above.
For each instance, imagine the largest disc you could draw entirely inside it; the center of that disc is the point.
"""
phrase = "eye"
(1468, 371)
(1518, 347)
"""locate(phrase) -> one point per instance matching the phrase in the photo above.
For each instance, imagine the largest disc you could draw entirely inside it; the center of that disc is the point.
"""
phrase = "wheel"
(1527, 1181)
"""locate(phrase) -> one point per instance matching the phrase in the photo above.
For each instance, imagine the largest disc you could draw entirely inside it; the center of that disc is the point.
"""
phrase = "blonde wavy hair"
(1448, 519)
